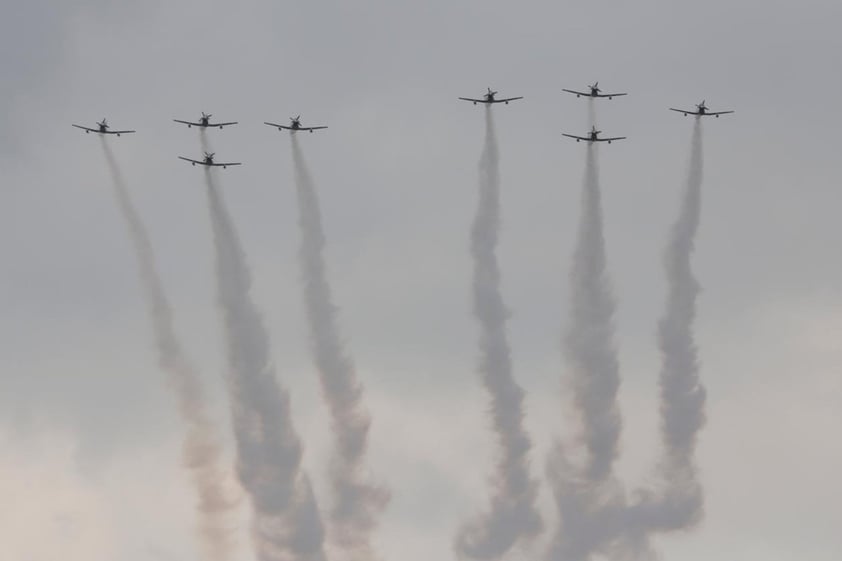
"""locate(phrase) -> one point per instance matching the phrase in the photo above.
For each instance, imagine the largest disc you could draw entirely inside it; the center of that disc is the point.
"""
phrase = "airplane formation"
(489, 98)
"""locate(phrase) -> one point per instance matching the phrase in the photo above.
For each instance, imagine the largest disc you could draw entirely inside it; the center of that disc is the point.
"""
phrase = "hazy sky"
(89, 432)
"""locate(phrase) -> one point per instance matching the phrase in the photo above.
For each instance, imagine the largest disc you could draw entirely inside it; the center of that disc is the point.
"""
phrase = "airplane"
(488, 98)
(295, 125)
(208, 161)
(593, 136)
(595, 92)
(102, 128)
(701, 111)
(204, 122)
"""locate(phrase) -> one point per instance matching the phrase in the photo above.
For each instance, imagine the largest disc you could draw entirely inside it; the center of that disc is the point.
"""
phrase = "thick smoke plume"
(677, 502)
(595, 515)
(287, 525)
(512, 515)
(588, 496)
(682, 395)
(201, 448)
(358, 501)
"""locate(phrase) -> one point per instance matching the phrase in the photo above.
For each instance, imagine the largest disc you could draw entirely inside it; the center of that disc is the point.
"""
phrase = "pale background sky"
(89, 435)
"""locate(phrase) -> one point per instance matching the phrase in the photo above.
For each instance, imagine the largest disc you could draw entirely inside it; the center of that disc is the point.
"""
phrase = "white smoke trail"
(358, 501)
(594, 513)
(287, 525)
(203, 140)
(682, 394)
(591, 112)
(589, 498)
(678, 502)
(201, 449)
(512, 515)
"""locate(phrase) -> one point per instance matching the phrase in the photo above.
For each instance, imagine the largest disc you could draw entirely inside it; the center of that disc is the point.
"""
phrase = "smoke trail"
(512, 515)
(591, 112)
(595, 516)
(678, 502)
(203, 140)
(589, 345)
(201, 447)
(287, 525)
(682, 395)
(589, 498)
(357, 501)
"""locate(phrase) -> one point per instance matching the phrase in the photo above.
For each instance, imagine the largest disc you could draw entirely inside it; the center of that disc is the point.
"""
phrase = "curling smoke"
(678, 502)
(287, 525)
(358, 502)
(589, 346)
(589, 498)
(201, 448)
(682, 394)
(512, 515)
(594, 513)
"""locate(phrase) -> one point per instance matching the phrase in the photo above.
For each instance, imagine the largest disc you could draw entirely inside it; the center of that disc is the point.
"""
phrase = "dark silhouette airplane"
(208, 161)
(102, 128)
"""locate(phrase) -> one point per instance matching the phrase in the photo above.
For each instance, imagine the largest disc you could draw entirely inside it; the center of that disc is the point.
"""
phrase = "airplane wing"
(194, 162)
(578, 138)
(575, 92)
(86, 129)
(311, 129)
(277, 126)
(717, 113)
(507, 100)
(684, 111)
(474, 100)
(220, 125)
(609, 140)
(611, 95)
(188, 123)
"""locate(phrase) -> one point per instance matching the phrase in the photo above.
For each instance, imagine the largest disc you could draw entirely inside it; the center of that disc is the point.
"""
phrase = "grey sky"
(396, 173)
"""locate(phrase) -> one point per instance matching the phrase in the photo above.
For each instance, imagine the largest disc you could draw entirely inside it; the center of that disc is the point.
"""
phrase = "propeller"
(103, 123)
(206, 115)
(209, 155)
(595, 87)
